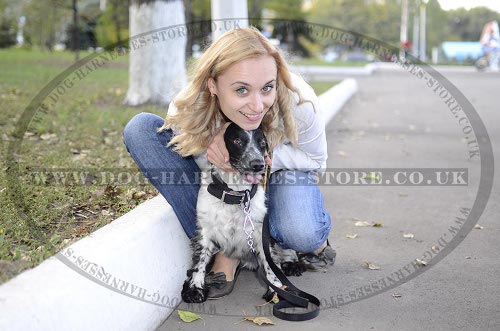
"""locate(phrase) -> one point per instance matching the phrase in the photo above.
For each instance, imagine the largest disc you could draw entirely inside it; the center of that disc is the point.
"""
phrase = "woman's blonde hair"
(198, 113)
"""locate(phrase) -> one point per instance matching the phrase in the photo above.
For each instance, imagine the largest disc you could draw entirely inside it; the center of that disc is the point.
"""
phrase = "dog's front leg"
(271, 277)
(194, 288)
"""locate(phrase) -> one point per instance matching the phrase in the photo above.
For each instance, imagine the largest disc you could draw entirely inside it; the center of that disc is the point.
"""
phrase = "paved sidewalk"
(394, 121)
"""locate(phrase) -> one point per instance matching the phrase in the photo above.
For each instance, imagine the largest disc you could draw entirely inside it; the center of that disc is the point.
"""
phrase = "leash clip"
(248, 225)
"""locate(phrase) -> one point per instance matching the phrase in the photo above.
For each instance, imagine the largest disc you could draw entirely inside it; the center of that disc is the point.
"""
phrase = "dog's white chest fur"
(224, 223)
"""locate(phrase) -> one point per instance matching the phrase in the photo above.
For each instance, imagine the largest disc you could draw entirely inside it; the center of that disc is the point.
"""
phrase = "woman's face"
(246, 90)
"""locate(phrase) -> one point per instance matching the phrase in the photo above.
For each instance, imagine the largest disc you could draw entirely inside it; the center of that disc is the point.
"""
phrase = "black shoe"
(218, 286)
(319, 262)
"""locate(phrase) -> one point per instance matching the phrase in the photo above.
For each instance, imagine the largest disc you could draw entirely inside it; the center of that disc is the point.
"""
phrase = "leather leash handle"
(292, 297)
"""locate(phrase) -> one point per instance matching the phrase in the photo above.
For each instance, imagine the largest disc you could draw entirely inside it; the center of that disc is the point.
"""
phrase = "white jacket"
(311, 152)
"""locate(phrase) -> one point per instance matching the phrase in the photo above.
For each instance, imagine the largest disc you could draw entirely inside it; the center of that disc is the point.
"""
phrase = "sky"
(453, 4)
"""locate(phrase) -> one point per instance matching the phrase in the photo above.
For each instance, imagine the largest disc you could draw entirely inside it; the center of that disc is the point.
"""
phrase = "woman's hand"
(217, 153)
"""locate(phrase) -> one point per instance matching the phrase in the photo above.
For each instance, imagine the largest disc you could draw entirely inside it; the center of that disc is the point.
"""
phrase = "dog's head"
(246, 151)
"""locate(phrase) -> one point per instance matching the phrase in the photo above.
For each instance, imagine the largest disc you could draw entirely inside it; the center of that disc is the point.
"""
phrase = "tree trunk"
(189, 20)
(76, 31)
(157, 59)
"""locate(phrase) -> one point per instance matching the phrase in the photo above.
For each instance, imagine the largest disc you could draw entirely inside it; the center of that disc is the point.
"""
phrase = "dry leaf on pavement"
(259, 320)
(371, 266)
(351, 236)
(187, 316)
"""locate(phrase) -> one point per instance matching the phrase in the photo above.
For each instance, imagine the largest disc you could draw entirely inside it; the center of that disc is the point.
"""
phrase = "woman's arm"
(311, 152)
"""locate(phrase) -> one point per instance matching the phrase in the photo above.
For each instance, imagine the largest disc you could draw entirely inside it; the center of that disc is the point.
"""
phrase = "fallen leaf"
(351, 236)
(341, 153)
(377, 224)
(274, 299)
(372, 176)
(408, 235)
(371, 266)
(47, 136)
(468, 257)
(109, 141)
(401, 194)
(479, 227)
(397, 295)
(259, 320)
(421, 262)
(187, 316)
(105, 212)
(362, 223)
(138, 195)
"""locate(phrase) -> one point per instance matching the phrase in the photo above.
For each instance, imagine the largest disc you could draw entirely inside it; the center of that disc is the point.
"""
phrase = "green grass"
(40, 215)
(322, 87)
(82, 132)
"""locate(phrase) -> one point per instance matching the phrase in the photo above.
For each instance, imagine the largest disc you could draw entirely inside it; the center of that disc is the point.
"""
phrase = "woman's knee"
(301, 234)
(298, 217)
(139, 125)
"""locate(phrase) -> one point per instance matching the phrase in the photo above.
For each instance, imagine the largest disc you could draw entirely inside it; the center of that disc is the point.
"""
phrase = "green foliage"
(293, 36)
(378, 20)
(467, 25)
(112, 26)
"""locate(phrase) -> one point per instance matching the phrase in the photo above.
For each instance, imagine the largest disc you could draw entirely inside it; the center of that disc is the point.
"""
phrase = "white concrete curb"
(117, 278)
(325, 73)
(335, 98)
(127, 275)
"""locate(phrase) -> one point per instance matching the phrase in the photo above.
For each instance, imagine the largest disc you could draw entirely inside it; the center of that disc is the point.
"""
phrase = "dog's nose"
(257, 165)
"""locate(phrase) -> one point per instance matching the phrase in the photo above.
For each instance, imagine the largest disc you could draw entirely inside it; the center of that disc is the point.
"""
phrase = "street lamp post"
(423, 4)
(403, 37)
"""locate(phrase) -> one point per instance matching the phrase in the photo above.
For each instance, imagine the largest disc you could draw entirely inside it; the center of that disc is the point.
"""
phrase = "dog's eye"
(238, 142)
(263, 143)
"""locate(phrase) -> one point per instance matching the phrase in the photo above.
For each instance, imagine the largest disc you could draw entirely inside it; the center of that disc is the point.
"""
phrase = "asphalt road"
(398, 120)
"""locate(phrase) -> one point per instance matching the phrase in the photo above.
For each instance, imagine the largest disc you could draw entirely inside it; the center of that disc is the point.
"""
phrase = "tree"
(294, 36)
(196, 11)
(380, 20)
(157, 53)
(112, 25)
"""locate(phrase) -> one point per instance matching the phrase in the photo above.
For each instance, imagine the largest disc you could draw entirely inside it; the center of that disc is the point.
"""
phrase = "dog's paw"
(193, 294)
(293, 268)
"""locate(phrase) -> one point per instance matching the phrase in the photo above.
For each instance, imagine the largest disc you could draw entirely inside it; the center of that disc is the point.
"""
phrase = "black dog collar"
(220, 190)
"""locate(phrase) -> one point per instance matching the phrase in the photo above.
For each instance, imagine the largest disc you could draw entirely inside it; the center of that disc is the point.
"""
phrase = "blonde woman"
(241, 78)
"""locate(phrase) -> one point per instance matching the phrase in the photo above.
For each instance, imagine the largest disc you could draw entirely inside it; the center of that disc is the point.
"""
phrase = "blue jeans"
(297, 215)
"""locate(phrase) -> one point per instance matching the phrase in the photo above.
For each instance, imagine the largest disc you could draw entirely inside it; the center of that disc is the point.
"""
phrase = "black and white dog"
(226, 209)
